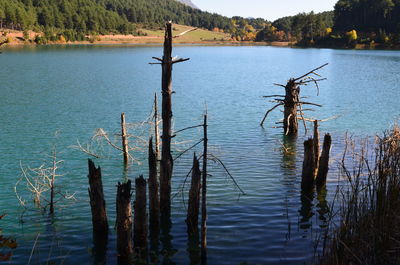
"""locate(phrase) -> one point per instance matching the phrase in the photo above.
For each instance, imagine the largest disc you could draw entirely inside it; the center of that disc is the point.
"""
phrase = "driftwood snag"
(324, 161)
(140, 220)
(97, 202)
(124, 223)
(293, 111)
(307, 176)
(192, 218)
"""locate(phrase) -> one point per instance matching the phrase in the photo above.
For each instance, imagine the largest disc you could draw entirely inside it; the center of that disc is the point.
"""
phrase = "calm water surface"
(74, 90)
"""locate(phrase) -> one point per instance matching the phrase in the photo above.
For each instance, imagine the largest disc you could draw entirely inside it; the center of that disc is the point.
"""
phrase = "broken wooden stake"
(124, 223)
(192, 218)
(97, 202)
(140, 221)
(324, 161)
(125, 146)
(307, 176)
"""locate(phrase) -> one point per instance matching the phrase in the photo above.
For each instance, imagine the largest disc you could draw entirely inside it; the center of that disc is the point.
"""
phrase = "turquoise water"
(74, 90)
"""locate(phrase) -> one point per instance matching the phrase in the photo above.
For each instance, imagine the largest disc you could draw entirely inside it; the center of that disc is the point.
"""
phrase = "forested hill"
(368, 15)
(102, 16)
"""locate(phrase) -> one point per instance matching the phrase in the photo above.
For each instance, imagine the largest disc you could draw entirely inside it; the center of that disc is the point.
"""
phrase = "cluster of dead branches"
(292, 101)
(40, 183)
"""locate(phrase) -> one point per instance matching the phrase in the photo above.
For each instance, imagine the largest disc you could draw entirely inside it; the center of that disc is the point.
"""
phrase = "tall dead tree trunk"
(166, 157)
(204, 198)
(124, 223)
(166, 165)
(192, 219)
(290, 121)
(125, 145)
(324, 161)
(307, 176)
(140, 221)
(154, 201)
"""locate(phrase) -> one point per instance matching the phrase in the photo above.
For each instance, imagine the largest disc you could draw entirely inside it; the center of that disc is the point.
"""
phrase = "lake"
(59, 95)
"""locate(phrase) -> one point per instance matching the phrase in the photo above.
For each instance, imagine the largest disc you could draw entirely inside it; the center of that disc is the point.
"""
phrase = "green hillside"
(102, 16)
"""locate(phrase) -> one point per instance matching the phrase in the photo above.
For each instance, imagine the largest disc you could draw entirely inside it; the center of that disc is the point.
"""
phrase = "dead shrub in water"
(369, 211)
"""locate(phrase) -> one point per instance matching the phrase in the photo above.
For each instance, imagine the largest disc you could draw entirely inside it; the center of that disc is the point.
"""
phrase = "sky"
(268, 9)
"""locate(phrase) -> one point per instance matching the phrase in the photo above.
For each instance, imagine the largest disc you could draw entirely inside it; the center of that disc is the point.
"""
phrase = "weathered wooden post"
(97, 202)
(204, 197)
(307, 177)
(140, 221)
(290, 121)
(324, 161)
(192, 218)
(125, 145)
(124, 223)
(154, 201)
(99, 214)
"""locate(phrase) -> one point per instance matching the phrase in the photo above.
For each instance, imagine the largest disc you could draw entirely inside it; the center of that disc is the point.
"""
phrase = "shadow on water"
(99, 248)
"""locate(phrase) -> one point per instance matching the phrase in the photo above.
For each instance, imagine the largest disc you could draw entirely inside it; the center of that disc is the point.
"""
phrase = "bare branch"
(266, 114)
(180, 60)
(193, 146)
(227, 171)
(272, 96)
(311, 72)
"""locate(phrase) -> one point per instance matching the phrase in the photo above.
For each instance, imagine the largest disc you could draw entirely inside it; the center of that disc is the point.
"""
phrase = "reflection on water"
(306, 209)
(193, 249)
(322, 206)
(167, 250)
(289, 153)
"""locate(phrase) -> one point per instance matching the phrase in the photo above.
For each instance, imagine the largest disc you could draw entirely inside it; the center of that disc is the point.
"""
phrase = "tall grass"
(368, 231)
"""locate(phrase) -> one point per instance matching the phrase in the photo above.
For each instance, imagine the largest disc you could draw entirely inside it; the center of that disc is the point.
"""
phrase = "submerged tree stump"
(124, 223)
(97, 202)
(99, 214)
(192, 218)
(324, 161)
(307, 176)
(140, 220)
(290, 121)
